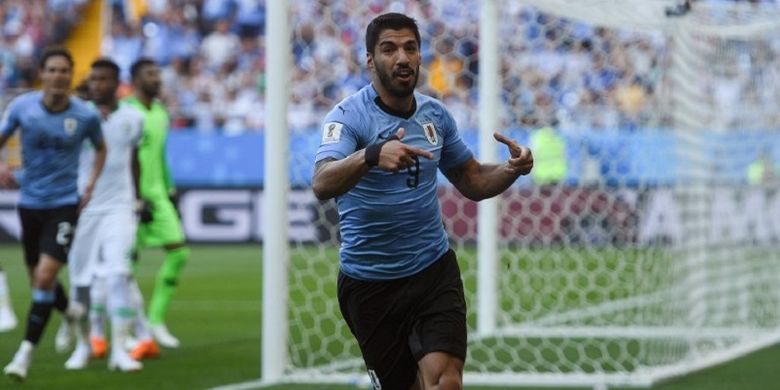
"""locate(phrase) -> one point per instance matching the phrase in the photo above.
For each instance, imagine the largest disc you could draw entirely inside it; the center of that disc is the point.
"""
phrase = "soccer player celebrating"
(156, 187)
(399, 286)
(53, 126)
(106, 231)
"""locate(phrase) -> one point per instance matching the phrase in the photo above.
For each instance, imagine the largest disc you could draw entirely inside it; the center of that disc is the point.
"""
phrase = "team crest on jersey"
(430, 133)
(374, 380)
(70, 126)
(331, 133)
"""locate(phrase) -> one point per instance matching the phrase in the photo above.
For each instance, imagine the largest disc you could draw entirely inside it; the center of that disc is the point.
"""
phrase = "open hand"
(521, 160)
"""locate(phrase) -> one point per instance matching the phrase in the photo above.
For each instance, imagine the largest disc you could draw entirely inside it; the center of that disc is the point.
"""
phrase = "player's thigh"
(83, 257)
(441, 369)
(117, 243)
(32, 225)
(58, 231)
(377, 314)
(440, 321)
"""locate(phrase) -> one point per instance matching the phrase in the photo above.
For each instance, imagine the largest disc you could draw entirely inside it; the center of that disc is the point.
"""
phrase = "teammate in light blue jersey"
(399, 285)
(52, 128)
(50, 145)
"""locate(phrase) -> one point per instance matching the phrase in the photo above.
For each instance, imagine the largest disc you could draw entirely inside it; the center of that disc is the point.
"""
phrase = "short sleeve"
(338, 141)
(10, 120)
(454, 152)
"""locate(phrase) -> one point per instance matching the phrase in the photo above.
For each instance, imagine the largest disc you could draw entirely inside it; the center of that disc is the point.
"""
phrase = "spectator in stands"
(218, 47)
(761, 172)
(549, 156)
(589, 77)
(125, 45)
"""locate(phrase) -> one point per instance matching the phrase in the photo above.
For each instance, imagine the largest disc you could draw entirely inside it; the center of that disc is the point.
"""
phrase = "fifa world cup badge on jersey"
(331, 133)
(430, 133)
(70, 126)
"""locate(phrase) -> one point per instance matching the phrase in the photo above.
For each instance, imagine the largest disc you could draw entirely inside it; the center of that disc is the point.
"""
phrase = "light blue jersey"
(391, 223)
(51, 143)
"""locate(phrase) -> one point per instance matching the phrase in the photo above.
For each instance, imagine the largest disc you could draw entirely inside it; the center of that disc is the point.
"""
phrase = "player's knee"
(450, 380)
(177, 258)
(44, 278)
(180, 254)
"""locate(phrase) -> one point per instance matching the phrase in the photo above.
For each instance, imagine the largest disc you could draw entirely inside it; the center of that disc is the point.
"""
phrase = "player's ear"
(370, 61)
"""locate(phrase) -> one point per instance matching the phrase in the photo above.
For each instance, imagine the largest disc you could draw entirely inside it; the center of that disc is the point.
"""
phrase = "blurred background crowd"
(554, 71)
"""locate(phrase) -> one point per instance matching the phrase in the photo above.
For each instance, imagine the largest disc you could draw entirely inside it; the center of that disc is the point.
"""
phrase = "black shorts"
(397, 322)
(47, 231)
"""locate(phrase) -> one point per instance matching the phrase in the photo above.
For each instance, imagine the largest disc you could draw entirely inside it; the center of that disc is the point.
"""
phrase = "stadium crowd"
(554, 71)
(26, 27)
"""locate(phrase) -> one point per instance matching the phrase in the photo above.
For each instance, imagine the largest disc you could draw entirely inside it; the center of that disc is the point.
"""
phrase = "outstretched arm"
(478, 181)
(335, 177)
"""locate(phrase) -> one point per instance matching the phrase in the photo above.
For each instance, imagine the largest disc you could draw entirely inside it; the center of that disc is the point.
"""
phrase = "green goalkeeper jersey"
(155, 180)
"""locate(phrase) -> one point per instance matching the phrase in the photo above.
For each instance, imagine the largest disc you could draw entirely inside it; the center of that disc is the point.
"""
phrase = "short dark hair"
(389, 21)
(135, 69)
(54, 52)
(106, 63)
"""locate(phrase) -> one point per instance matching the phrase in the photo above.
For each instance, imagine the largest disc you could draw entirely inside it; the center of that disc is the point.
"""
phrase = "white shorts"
(102, 245)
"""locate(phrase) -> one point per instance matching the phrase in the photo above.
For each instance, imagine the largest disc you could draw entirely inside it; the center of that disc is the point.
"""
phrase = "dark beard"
(151, 91)
(386, 79)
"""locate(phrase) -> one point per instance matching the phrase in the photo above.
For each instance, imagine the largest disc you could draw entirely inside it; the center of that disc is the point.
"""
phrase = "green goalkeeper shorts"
(163, 229)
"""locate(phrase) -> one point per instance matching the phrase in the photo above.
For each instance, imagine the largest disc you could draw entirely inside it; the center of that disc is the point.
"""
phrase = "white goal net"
(649, 256)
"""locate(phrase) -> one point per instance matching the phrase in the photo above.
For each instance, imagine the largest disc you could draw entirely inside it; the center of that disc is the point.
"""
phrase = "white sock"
(78, 311)
(26, 348)
(97, 313)
(141, 323)
(120, 301)
(121, 308)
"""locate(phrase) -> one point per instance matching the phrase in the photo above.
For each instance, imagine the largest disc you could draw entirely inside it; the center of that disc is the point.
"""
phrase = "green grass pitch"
(217, 315)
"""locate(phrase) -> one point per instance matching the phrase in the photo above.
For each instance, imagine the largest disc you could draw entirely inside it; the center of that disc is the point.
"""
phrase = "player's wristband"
(373, 150)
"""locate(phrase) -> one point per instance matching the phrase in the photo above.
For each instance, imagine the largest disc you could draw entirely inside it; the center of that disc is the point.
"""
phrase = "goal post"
(651, 257)
(487, 219)
(276, 186)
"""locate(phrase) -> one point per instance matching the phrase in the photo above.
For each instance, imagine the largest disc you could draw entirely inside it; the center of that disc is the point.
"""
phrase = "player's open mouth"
(404, 74)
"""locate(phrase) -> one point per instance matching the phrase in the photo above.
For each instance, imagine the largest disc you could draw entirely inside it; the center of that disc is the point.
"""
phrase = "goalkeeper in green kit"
(159, 225)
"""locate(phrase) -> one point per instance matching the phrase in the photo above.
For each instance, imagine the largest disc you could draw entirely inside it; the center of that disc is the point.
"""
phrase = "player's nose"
(403, 58)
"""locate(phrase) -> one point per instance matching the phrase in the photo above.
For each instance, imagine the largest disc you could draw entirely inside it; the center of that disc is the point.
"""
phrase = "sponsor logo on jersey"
(331, 133)
(70, 126)
(430, 133)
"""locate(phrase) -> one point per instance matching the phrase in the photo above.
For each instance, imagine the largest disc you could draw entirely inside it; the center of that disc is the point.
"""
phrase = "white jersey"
(114, 190)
